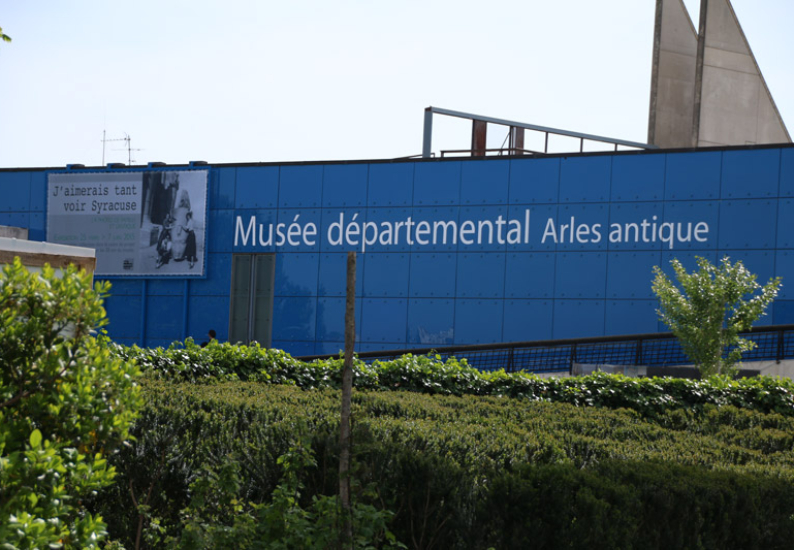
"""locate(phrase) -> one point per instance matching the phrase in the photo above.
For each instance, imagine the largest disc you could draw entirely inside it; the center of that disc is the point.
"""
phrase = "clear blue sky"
(257, 80)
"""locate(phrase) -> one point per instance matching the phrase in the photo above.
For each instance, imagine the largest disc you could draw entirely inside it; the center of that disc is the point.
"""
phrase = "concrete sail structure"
(706, 87)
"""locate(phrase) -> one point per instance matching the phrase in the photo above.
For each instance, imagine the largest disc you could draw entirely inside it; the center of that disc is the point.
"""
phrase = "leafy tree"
(65, 402)
(4, 37)
(709, 310)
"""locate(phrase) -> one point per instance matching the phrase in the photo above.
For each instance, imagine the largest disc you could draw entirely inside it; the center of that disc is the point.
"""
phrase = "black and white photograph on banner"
(149, 223)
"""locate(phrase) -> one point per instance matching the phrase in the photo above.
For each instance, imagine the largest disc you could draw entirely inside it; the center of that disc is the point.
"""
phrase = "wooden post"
(347, 390)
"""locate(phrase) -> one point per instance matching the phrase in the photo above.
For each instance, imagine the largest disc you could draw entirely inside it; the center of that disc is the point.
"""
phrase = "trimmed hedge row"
(473, 472)
(429, 374)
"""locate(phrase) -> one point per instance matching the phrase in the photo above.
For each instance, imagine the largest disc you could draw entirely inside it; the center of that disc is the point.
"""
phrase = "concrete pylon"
(709, 78)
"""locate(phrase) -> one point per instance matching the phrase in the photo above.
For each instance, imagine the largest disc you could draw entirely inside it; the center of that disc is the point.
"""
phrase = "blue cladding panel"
(15, 219)
(124, 314)
(534, 181)
(294, 318)
(585, 179)
(164, 287)
(341, 227)
(219, 277)
(437, 183)
(390, 237)
(478, 321)
(629, 274)
(296, 274)
(38, 191)
(331, 320)
(300, 186)
(37, 226)
(386, 275)
(208, 312)
(484, 182)
(530, 275)
(221, 226)
(161, 321)
(631, 317)
(296, 349)
(433, 274)
(540, 231)
(384, 320)
(333, 274)
(15, 190)
(391, 185)
(748, 224)
(333, 348)
(481, 275)
(750, 174)
(528, 320)
(257, 187)
(260, 237)
(435, 231)
(302, 230)
(693, 176)
(431, 322)
(695, 225)
(783, 312)
(578, 318)
(784, 267)
(785, 224)
(626, 229)
(224, 196)
(585, 227)
(787, 173)
(489, 229)
(581, 275)
(638, 178)
(345, 185)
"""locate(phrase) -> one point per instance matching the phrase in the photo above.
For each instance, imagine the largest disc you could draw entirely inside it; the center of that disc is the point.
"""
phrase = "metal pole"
(428, 133)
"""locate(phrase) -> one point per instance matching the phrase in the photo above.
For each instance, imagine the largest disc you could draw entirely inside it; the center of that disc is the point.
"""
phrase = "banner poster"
(142, 224)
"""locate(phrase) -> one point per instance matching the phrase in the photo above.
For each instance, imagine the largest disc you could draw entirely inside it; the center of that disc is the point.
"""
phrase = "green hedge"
(429, 374)
(473, 472)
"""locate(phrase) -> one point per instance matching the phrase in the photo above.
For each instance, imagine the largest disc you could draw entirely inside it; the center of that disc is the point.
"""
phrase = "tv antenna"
(127, 145)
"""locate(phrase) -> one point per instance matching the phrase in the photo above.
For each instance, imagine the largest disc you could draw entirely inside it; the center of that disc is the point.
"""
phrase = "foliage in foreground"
(430, 374)
(461, 472)
(66, 402)
(713, 305)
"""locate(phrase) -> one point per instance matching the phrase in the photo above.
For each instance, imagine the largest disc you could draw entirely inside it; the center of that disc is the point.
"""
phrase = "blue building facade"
(451, 251)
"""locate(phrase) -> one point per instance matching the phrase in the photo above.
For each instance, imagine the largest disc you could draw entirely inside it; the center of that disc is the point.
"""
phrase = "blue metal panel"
(629, 274)
(578, 318)
(750, 174)
(36, 229)
(341, 229)
(688, 231)
(162, 324)
(242, 236)
(384, 320)
(15, 219)
(585, 179)
(125, 287)
(631, 317)
(534, 181)
(431, 322)
(437, 183)
(219, 277)
(538, 238)
(255, 187)
(433, 274)
(225, 196)
(331, 319)
(15, 190)
(581, 275)
(638, 178)
(300, 186)
(478, 321)
(164, 287)
(748, 224)
(208, 312)
(345, 185)
(432, 225)
(581, 227)
(693, 176)
(527, 320)
(386, 275)
(391, 185)
(484, 182)
(294, 318)
(785, 224)
(296, 349)
(530, 275)
(302, 230)
(784, 267)
(481, 275)
(38, 191)
(787, 173)
(296, 274)
(124, 314)
(631, 226)
(783, 313)
(333, 274)
(488, 229)
(332, 348)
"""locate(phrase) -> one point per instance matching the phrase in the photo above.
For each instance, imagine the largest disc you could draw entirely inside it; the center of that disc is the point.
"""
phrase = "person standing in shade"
(211, 336)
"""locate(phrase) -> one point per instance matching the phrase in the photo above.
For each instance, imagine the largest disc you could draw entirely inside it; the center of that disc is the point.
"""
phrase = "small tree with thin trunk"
(709, 310)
